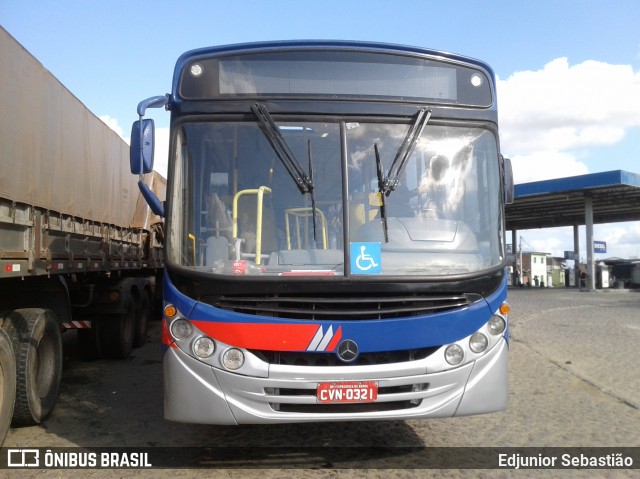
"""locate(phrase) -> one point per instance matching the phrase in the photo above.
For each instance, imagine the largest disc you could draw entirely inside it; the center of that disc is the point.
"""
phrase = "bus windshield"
(241, 209)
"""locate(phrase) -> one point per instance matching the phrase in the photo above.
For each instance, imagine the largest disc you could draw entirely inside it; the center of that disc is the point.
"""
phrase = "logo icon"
(366, 258)
(347, 351)
(325, 341)
(23, 458)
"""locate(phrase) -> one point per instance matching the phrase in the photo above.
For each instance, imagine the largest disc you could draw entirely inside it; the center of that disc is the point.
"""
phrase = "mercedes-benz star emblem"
(347, 351)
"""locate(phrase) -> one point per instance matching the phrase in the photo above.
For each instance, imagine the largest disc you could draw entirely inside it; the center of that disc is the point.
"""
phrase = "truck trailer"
(79, 248)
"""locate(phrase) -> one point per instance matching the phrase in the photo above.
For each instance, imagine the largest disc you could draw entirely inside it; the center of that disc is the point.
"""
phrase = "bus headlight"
(181, 329)
(496, 325)
(478, 342)
(204, 347)
(233, 359)
(454, 354)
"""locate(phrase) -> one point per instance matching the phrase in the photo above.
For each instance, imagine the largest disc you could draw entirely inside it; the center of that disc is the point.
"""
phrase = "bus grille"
(336, 306)
(305, 358)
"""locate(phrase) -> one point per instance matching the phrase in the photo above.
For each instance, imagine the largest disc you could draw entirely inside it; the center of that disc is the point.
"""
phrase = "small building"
(556, 271)
(534, 269)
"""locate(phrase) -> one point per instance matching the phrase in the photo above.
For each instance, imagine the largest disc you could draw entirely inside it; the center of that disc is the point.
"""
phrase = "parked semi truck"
(79, 248)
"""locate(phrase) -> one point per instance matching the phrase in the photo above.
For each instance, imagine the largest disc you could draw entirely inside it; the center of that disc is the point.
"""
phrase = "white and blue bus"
(334, 234)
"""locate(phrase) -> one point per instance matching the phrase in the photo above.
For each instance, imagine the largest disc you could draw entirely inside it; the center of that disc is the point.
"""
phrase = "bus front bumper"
(198, 393)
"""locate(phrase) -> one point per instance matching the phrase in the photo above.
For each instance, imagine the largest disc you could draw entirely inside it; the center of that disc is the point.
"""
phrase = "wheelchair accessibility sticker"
(366, 258)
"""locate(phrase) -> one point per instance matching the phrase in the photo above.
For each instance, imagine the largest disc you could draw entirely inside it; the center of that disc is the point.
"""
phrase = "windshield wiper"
(387, 184)
(311, 193)
(279, 144)
(390, 182)
(287, 158)
(383, 213)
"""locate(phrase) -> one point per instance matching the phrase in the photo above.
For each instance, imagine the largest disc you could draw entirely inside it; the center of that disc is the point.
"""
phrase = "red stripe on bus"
(271, 337)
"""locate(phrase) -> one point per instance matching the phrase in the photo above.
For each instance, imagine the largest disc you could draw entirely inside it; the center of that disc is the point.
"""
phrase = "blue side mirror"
(142, 146)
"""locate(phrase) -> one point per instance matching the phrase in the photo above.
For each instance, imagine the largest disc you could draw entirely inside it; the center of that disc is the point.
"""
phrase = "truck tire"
(143, 314)
(118, 332)
(90, 341)
(37, 346)
(7, 383)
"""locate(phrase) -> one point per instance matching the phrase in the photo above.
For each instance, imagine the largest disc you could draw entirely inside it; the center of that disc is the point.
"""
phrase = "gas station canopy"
(615, 196)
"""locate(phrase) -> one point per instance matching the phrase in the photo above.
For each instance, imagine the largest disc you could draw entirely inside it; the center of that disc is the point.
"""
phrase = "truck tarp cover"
(55, 154)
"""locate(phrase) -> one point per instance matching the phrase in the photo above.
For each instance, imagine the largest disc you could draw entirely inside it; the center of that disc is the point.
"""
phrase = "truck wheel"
(117, 332)
(143, 313)
(37, 346)
(90, 341)
(7, 383)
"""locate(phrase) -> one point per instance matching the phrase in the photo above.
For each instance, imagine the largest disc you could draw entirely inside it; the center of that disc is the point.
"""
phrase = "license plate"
(347, 392)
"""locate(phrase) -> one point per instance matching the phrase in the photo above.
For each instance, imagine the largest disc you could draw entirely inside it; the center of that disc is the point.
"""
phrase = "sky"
(568, 71)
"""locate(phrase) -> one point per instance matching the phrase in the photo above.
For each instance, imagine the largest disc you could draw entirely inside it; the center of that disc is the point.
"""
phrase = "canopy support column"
(576, 250)
(588, 219)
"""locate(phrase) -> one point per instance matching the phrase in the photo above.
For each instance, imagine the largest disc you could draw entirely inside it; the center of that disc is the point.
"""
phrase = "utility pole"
(520, 270)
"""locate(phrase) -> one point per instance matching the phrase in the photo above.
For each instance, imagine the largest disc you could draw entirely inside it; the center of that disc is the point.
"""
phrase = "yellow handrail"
(193, 245)
(259, 200)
